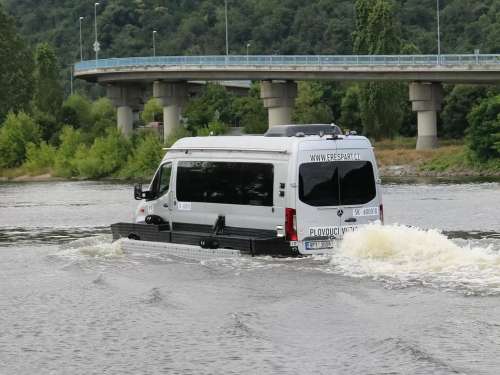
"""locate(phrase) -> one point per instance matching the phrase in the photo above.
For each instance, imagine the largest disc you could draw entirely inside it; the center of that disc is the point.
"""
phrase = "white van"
(296, 190)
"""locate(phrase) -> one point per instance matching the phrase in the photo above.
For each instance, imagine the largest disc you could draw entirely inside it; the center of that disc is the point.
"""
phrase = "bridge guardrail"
(291, 60)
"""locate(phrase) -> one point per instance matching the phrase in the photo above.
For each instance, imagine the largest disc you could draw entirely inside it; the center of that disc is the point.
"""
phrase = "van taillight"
(290, 224)
(381, 211)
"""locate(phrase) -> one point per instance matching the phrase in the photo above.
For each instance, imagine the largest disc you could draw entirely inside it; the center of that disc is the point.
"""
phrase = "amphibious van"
(295, 190)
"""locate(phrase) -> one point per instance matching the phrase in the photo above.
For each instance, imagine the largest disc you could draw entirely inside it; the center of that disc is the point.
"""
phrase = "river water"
(422, 297)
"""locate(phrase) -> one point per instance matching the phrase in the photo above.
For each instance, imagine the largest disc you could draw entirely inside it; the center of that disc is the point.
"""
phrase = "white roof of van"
(259, 143)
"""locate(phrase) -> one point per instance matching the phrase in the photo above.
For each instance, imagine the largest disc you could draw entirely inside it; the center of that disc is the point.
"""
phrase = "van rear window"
(225, 182)
(336, 183)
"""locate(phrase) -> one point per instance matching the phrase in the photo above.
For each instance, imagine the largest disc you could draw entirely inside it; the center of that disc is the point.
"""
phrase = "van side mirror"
(139, 194)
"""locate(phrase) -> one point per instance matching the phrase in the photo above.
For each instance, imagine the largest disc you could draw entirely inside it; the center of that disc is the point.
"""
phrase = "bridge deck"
(443, 68)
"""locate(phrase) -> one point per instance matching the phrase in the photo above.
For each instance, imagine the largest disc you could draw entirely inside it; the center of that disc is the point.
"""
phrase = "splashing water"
(94, 247)
(402, 256)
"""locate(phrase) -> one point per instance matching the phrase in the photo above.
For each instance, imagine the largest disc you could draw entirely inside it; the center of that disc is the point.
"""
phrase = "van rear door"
(336, 193)
(317, 201)
(358, 194)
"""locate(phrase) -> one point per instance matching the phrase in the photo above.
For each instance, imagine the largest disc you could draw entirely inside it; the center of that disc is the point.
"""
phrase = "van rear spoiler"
(185, 149)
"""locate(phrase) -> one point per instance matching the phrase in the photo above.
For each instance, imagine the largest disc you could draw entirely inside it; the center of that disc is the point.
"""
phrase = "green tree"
(364, 10)
(350, 118)
(410, 49)
(16, 69)
(483, 134)
(251, 112)
(105, 157)
(48, 124)
(381, 109)
(153, 111)
(214, 128)
(77, 112)
(215, 103)
(40, 158)
(310, 106)
(333, 92)
(16, 133)
(144, 159)
(408, 126)
(93, 118)
(457, 105)
(64, 163)
(48, 96)
(383, 29)
(380, 102)
(103, 115)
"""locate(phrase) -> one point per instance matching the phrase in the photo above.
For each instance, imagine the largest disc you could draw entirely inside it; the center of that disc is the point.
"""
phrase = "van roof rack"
(303, 130)
(232, 149)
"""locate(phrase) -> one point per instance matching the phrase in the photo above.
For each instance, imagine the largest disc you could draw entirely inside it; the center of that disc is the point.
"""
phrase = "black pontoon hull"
(249, 241)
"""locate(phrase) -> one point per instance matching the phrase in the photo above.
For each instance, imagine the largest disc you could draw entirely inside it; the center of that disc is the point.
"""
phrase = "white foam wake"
(94, 247)
(403, 256)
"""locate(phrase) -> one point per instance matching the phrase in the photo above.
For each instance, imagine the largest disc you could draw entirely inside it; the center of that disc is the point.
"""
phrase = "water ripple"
(18, 236)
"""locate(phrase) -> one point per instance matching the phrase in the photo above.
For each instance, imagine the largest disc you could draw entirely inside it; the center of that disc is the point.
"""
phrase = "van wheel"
(154, 219)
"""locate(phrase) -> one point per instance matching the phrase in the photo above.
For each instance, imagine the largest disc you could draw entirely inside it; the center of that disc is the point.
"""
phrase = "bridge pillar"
(172, 97)
(426, 100)
(126, 99)
(279, 99)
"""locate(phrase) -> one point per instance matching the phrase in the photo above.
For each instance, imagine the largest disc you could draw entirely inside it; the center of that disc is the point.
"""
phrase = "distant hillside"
(190, 27)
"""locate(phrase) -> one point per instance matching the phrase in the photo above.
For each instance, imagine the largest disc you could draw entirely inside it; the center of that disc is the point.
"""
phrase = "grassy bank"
(452, 159)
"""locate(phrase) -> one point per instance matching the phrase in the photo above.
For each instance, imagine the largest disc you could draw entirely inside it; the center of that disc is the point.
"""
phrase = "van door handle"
(165, 205)
(350, 220)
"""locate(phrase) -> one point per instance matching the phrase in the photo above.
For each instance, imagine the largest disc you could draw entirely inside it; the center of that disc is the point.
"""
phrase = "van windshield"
(336, 183)
(225, 182)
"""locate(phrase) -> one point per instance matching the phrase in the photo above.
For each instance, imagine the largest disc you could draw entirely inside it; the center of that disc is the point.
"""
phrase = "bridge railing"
(291, 60)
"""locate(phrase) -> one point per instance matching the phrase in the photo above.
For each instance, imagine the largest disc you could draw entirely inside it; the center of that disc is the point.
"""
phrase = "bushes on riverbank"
(83, 144)
(143, 159)
(16, 133)
(109, 156)
(483, 134)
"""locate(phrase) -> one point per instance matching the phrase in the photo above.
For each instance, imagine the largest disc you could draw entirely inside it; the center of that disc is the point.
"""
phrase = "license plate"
(318, 245)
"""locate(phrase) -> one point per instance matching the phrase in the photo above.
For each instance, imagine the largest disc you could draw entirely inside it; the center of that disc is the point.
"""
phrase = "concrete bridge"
(126, 80)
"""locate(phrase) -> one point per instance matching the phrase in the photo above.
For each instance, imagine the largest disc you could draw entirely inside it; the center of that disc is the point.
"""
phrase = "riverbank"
(396, 158)
(399, 158)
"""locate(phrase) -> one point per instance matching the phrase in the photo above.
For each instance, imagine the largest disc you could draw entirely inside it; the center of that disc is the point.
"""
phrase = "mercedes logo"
(340, 213)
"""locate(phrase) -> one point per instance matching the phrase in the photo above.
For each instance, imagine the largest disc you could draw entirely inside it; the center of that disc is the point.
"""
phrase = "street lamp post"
(154, 42)
(96, 43)
(81, 45)
(71, 78)
(227, 37)
(438, 30)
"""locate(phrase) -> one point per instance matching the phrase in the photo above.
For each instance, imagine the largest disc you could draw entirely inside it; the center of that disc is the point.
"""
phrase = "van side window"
(161, 181)
(225, 182)
(164, 181)
(336, 183)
